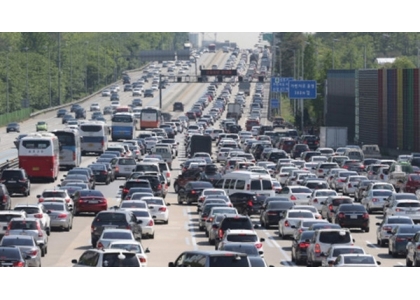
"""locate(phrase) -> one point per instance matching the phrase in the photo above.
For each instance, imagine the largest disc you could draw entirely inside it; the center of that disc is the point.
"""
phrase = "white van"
(354, 154)
(246, 182)
(165, 151)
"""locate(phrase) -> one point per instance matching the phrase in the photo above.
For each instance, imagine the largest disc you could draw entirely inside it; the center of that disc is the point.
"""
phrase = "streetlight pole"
(7, 81)
(59, 68)
(49, 74)
(27, 75)
(98, 62)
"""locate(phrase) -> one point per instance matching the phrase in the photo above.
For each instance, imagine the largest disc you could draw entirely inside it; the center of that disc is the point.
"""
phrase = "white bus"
(246, 182)
(94, 137)
(38, 154)
(70, 147)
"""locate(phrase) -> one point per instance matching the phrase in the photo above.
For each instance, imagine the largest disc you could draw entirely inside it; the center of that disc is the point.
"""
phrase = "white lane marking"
(191, 230)
(187, 241)
(268, 242)
(287, 259)
(184, 211)
(372, 245)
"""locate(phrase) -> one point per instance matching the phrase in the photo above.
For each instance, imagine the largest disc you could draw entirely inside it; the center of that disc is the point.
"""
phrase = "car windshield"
(352, 260)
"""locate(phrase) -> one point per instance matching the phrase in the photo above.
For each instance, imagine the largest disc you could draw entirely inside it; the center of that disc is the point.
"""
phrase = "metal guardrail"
(9, 164)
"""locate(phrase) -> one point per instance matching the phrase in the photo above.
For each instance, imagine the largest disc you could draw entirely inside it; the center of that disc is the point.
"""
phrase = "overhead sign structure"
(219, 72)
(280, 84)
(274, 103)
(302, 89)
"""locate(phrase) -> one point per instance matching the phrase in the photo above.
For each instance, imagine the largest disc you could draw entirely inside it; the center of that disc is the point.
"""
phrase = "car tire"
(42, 252)
(166, 222)
(366, 229)
(176, 188)
(152, 236)
(45, 250)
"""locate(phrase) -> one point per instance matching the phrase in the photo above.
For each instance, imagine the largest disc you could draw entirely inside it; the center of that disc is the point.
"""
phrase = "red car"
(413, 183)
(89, 201)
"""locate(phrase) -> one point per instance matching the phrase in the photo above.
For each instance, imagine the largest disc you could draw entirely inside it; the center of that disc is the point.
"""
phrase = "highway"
(182, 231)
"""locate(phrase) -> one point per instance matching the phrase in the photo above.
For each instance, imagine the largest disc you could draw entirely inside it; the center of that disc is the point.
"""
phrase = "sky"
(245, 40)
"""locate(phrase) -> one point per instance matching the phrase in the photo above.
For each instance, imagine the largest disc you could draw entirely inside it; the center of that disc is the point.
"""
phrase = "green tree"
(403, 63)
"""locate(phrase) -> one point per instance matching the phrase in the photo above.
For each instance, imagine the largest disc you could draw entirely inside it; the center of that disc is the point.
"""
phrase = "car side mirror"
(322, 203)
(293, 226)
(322, 254)
(147, 250)
(354, 241)
(378, 224)
(74, 261)
(171, 264)
(38, 196)
(168, 204)
(214, 226)
(378, 263)
(262, 240)
(389, 232)
(256, 226)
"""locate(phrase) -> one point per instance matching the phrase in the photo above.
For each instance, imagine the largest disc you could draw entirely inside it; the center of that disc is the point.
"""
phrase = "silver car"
(114, 234)
(388, 224)
(352, 183)
(146, 222)
(27, 246)
(336, 250)
(410, 208)
(123, 167)
(337, 182)
(375, 200)
(60, 214)
(319, 196)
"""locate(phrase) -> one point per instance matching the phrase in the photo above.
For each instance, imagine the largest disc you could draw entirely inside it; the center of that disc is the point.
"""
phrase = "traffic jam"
(255, 192)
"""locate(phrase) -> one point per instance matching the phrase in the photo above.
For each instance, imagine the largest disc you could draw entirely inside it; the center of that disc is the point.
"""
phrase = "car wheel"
(68, 228)
(46, 250)
(176, 188)
(211, 242)
(42, 252)
(366, 229)
(166, 222)
(152, 236)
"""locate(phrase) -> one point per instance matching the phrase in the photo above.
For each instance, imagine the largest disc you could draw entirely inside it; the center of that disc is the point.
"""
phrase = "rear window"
(28, 210)
(359, 260)
(147, 168)
(406, 197)
(55, 194)
(54, 206)
(126, 162)
(9, 174)
(17, 242)
(408, 204)
(154, 201)
(201, 185)
(413, 229)
(301, 191)
(11, 254)
(267, 185)
(27, 225)
(130, 184)
(228, 261)
(130, 204)
(400, 221)
(337, 202)
(110, 217)
(338, 252)
(117, 235)
(91, 193)
(334, 237)
(355, 208)
(112, 260)
(382, 193)
(415, 177)
(7, 218)
(242, 238)
(141, 213)
(279, 205)
(237, 223)
(301, 214)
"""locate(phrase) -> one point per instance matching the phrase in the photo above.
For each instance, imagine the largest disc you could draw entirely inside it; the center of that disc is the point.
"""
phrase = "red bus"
(150, 117)
(212, 48)
(39, 155)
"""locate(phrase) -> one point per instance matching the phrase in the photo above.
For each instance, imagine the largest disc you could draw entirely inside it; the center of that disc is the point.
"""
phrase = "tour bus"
(122, 126)
(94, 137)
(39, 155)
(150, 117)
(246, 182)
(70, 147)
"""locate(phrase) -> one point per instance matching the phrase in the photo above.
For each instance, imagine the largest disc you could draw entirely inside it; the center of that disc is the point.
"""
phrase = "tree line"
(42, 69)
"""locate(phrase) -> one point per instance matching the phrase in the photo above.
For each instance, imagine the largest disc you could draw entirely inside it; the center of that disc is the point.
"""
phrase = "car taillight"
(193, 192)
(292, 197)
(125, 190)
(315, 200)
(382, 176)
(220, 233)
(142, 260)
(320, 171)
(398, 210)
(62, 216)
(317, 248)
(40, 233)
(39, 200)
(100, 245)
(103, 172)
(375, 200)
(162, 209)
(74, 156)
(159, 187)
(303, 245)
(128, 227)
(38, 216)
(92, 228)
(418, 247)
(349, 185)
(286, 223)
(18, 264)
(117, 169)
(67, 200)
(258, 245)
(33, 253)
(247, 187)
(387, 228)
(341, 215)
(365, 216)
(330, 207)
(168, 174)
(300, 230)
(151, 223)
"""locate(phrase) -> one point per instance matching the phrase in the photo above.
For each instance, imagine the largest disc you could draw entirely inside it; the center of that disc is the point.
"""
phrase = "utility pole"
(86, 68)
(27, 75)
(59, 68)
(7, 82)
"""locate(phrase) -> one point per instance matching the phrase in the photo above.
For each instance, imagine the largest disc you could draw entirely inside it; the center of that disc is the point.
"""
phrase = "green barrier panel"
(15, 116)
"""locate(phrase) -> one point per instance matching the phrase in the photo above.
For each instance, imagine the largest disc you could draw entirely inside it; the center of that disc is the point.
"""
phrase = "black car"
(75, 107)
(273, 212)
(247, 203)
(13, 127)
(233, 222)
(155, 183)
(101, 172)
(192, 190)
(80, 113)
(211, 259)
(132, 183)
(61, 112)
(84, 171)
(149, 93)
(211, 177)
(352, 215)
(114, 218)
(298, 149)
(206, 211)
(66, 118)
(311, 140)
(6, 203)
(115, 96)
(126, 79)
(11, 256)
(18, 138)
(16, 181)
(128, 88)
(178, 106)
(300, 246)
(137, 102)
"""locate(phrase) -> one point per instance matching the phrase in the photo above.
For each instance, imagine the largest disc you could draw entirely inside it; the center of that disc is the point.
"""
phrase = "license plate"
(93, 202)
(90, 145)
(110, 226)
(409, 212)
(23, 233)
(35, 169)
(11, 181)
(127, 169)
(353, 217)
(61, 157)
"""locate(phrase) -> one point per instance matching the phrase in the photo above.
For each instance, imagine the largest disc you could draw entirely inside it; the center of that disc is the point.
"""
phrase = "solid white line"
(192, 230)
(286, 257)
(372, 245)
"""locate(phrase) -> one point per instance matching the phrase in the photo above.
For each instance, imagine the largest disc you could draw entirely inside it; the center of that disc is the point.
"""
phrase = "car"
(319, 196)
(114, 97)
(205, 213)
(27, 245)
(149, 93)
(351, 184)
(16, 181)
(375, 200)
(49, 194)
(101, 172)
(299, 247)
(273, 211)
(178, 106)
(61, 215)
(247, 248)
(89, 201)
(29, 226)
(216, 258)
(134, 183)
(413, 251)
(132, 246)
(352, 215)
(288, 223)
(144, 218)
(137, 102)
(242, 236)
(107, 258)
(330, 205)
(190, 193)
(41, 126)
(410, 208)
(13, 127)
(37, 211)
(356, 260)
(400, 236)
(158, 209)
(11, 256)
(6, 203)
(298, 194)
(387, 225)
(115, 234)
(61, 112)
(209, 193)
(334, 251)
(106, 93)
(95, 107)
(233, 221)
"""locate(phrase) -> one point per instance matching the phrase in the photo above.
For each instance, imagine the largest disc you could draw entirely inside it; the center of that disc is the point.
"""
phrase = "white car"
(336, 250)
(410, 208)
(311, 208)
(36, 211)
(288, 224)
(158, 208)
(319, 196)
(132, 246)
(297, 193)
(54, 194)
(351, 183)
(356, 260)
(146, 221)
(242, 236)
(207, 193)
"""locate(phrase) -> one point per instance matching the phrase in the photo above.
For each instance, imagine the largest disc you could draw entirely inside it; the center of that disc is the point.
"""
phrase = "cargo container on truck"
(333, 137)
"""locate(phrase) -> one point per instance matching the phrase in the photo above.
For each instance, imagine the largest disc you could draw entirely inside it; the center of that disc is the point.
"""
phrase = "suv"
(107, 258)
(113, 219)
(132, 183)
(123, 166)
(232, 222)
(211, 259)
(178, 106)
(29, 226)
(5, 200)
(16, 181)
(322, 240)
(6, 216)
